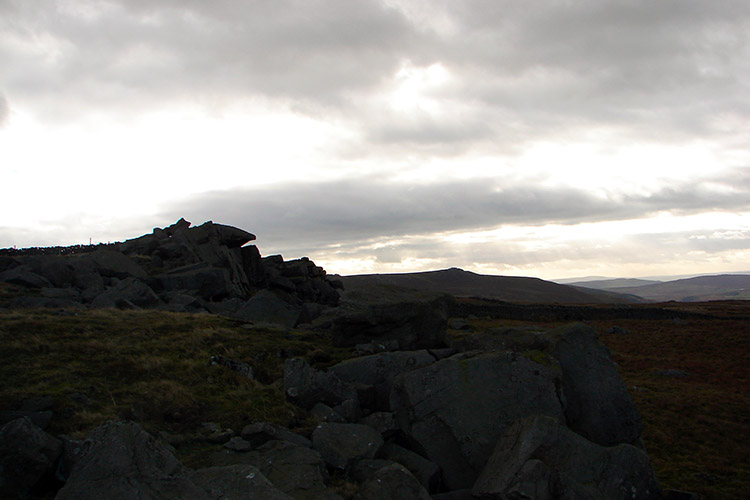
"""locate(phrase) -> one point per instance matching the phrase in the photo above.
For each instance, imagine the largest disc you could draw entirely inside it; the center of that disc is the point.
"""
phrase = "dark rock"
(129, 290)
(260, 433)
(208, 283)
(324, 413)
(23, 277)
(238, 444)
(537, 457)
(383, 422)
(220, 436)
(415, 319)
(122, 461)
(379, 371)
(27, 458)
(266, 307)
(455, 495)
(459, 324)
(597, 403)
(456, 409)
(426, 472)
(306, 387)
(72, 449)
(41, 419)
(243, 369)
(236, 481)
(341, 445)
(112, 264)
(349, 409)
(393, 482)
(680, 495)
(298, 471)
(365, 468)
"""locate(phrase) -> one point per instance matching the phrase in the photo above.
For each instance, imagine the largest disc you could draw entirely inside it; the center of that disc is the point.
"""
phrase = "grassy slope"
(153, 367)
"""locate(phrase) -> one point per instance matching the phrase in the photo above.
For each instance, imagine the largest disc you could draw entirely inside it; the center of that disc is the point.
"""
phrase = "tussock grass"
(149, 366)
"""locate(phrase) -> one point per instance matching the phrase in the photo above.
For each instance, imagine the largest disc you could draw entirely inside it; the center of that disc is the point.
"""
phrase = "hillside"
(702, 288)
(462, 283)
(614, 284)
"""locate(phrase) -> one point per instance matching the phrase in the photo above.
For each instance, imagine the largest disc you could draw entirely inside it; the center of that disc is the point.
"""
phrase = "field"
(153, 367)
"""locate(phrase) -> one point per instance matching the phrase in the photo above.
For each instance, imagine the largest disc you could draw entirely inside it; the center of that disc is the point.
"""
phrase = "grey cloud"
(4, 109)
(372, 210)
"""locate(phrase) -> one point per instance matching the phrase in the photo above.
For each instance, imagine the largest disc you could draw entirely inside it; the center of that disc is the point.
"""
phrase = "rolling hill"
(701, 288)
(462, 283)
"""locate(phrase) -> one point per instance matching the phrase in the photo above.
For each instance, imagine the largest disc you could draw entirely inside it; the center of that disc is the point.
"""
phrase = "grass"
(148, 366)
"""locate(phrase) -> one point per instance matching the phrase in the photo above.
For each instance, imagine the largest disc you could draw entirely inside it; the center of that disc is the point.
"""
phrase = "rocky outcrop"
(28, 456)
(178, 268)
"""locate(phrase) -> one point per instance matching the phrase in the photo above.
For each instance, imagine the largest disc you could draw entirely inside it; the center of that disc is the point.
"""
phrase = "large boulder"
(265, 307)
(27, 458)
(306, 386)
(236, 481)
(130, 290)
(296, 470)
(455, 410)
(113, 264)
(341, 445)
(393, 482)
(379, 370)
(597, 403)
(414, 319)
(120, 461)
(539, 458)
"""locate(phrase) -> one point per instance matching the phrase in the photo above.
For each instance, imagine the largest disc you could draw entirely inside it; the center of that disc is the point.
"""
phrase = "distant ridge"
(702, 288)
(615, 284)
(460, 283)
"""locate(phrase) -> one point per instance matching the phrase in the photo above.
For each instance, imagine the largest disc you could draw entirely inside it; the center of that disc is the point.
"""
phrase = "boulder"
(426, 472)
(298, 471)
(208, 283)
(455, 410)
(120, 461)
(27, 458)
(236, 481)
(113, 264)
(363, 469)
(129, 290)
(22, 276)
(597, 403)
(415, 319)
(341, 445)
(393, 482)
(596, 400)
(265, 307)
(379, 370)
(305, 386)
(260, 433)
(540, 458)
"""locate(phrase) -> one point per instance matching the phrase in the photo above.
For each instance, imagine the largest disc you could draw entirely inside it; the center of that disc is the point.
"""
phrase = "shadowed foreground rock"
(541, 459)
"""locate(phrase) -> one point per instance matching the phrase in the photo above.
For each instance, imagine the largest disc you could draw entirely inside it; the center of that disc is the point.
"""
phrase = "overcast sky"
(552, 138)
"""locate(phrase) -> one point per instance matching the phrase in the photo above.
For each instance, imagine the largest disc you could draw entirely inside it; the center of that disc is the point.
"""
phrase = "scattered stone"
(459, 324)
(325, 413)
(220, 437)
(616, 330)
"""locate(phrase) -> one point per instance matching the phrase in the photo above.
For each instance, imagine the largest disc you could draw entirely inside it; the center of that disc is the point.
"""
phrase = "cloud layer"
(435, 118)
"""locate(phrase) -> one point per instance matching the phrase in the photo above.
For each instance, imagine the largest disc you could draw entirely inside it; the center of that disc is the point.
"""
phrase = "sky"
(553, 138)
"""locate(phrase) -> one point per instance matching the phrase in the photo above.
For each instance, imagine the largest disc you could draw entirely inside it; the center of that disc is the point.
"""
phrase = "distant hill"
(702, 288)
(614, 283)
(462, 283)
